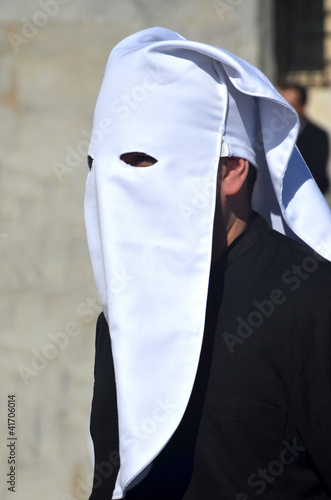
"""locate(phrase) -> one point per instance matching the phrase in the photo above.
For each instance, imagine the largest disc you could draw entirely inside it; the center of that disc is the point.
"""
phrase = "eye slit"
(89, 162)
(137, 159)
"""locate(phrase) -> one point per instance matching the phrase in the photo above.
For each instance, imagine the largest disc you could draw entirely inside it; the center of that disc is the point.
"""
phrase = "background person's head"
(296, 95)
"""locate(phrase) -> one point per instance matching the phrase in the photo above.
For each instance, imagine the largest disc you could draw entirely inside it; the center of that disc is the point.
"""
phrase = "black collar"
(256, 230)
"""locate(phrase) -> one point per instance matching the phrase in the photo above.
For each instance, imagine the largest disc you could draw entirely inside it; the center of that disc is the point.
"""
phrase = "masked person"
(212, 369)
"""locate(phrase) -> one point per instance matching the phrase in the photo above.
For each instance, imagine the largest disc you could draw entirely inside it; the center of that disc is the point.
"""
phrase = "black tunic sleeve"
(104, 420)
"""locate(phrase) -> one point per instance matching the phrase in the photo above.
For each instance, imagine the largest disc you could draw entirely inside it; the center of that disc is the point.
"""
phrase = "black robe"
(258, 424)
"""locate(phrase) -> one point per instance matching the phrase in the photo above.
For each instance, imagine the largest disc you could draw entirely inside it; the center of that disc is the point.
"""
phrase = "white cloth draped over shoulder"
(150, 229)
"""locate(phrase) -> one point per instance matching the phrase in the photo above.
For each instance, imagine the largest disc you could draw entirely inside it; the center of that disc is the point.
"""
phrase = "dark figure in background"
(313, 141)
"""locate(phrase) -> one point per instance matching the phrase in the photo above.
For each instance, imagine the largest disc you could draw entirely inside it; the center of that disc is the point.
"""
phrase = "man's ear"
(233, 171)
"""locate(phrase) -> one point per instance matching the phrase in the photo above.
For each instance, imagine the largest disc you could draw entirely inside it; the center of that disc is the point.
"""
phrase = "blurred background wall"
(52, 56)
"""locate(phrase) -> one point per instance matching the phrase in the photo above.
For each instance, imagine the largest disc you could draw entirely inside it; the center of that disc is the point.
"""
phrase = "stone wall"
(52, 56)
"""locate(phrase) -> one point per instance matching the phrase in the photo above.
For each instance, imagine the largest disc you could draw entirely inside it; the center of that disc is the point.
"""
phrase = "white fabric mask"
(150, 228)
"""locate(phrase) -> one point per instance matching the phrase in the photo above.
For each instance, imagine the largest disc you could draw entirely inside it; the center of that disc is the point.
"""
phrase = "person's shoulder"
(294, 253)
(304, 277)
(313, 127)
(294, 247)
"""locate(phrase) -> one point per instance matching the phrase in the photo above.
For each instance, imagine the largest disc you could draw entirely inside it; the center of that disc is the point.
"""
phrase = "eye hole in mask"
(89, 162)
(137, 159)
